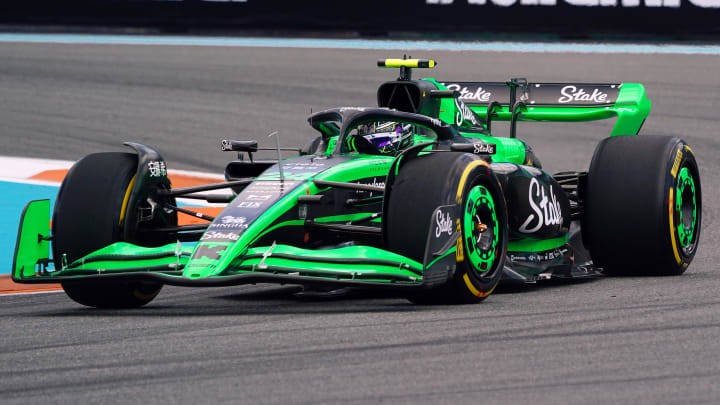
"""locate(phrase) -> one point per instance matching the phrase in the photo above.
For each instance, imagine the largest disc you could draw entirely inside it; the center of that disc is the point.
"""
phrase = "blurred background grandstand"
(461, 19)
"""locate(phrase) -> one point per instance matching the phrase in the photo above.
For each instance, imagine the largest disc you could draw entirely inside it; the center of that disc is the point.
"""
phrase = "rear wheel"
(643, 205)
(427, 182)
(89, 215)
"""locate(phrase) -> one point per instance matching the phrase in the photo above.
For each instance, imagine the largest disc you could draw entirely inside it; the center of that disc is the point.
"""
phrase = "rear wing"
(520, 100)
(464, 103)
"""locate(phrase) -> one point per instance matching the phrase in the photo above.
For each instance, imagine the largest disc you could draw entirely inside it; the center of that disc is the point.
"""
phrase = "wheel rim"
(480, 229)
(686, 209)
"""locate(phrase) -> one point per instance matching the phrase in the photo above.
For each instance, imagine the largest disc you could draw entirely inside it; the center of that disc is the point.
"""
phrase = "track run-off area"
(639, 340)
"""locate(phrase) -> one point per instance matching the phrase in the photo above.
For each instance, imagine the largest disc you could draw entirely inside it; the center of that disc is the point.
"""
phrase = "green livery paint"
(123, 252)
(356, 261)
(331, 145)
(361, 262)
(536, 245)
(31, 247)
(480, 228)
(685, 207)
(508, 150)
(357, 168)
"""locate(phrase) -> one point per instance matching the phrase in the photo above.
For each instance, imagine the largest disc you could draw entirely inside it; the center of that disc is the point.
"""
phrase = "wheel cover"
(686, 208)
(480, 229)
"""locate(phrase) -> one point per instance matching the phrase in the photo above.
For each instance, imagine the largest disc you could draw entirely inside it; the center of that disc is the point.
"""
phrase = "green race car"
(414, 195)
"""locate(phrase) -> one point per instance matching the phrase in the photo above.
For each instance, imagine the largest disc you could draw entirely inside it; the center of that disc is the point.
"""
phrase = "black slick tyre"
(447, 178)
(643, 206)
(88, 216)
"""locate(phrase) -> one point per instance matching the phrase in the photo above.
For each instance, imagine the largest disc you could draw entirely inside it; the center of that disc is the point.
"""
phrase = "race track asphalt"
(628, 340)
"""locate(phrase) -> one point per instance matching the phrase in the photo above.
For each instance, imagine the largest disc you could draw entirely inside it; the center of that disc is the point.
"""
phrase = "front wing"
(277, 263)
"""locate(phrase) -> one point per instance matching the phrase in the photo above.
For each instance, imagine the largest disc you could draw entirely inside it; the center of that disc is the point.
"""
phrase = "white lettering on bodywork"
(572, 93)
(547, 210)
(444, 224)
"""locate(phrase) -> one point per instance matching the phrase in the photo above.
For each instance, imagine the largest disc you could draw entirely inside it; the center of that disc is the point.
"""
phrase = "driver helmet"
(387, 137)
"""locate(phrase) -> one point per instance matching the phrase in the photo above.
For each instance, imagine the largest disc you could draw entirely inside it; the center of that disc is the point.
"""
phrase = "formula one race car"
(415, 195)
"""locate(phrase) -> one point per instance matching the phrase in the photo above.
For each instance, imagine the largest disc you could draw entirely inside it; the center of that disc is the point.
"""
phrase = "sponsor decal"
(304, 166)
(459, 253)
(286, 176)
(230, 222)
(676, 163)
(475, 95)
(212, 235)
(249, 204)
(157, 168)
(484, 148)
(547, 208)
(233, 220)
(256, 197)
(374, 183)
(464, 113)
(571, 93)
(519, 258)
(483, 93)
(209, 252)
(444, 223)
(547, 255)
(271, 187)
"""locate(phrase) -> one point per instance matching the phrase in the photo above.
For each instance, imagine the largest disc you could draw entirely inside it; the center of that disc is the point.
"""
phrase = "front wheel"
(467, 182)
(643, 205)
(89, 215)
